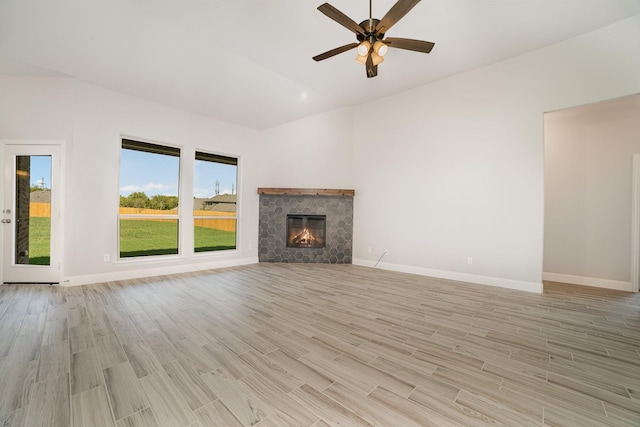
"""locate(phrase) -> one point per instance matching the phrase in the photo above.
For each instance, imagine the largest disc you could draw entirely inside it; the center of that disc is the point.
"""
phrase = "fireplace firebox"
(306, 231)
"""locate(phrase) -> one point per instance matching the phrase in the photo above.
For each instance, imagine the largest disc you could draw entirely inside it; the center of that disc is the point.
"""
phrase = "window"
(149, 184)
(215, 215)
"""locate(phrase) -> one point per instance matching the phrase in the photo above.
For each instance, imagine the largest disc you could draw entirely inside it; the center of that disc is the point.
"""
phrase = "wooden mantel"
(306, 192)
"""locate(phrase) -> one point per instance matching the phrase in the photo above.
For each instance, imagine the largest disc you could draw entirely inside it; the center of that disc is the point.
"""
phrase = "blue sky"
(153, 174)
(206, 174)
(40, 171)
(156, 174)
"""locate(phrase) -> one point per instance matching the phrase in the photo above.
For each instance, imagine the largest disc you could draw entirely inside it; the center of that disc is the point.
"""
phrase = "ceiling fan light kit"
(361, 59)
(372, 46)
(380, 48)
(376, 59)
(363, 48)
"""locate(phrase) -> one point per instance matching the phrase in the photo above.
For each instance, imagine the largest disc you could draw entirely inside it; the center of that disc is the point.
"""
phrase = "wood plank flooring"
(316, 345)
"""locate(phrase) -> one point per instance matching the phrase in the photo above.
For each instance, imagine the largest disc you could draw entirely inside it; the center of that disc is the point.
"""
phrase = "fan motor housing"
(369, 27)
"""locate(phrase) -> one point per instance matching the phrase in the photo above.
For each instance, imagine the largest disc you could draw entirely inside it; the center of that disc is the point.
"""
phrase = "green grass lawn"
(39, 241)
(137, 238)
(210, 239)
(144, 238)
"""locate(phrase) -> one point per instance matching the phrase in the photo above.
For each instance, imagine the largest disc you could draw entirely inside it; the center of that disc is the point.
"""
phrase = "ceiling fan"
(372, 46)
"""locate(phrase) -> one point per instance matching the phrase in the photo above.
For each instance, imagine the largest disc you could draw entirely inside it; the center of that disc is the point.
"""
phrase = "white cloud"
(150, 189)
(203, 193)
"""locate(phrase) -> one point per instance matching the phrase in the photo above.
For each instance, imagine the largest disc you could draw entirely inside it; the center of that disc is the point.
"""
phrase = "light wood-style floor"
(316, 345)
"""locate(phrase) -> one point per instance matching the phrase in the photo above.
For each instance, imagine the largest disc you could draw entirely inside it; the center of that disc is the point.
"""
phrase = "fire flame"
(304, 238)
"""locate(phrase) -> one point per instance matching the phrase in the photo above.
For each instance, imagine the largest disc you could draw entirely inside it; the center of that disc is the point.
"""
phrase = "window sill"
(216, 253)
(149, 259)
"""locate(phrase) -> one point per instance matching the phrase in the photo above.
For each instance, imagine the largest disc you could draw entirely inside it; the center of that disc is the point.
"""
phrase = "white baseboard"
(156, 271)
(588, 281)
(453, 275)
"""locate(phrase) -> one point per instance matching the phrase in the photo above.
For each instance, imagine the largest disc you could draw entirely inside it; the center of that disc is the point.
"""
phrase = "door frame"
(6, 175)
(635, 224)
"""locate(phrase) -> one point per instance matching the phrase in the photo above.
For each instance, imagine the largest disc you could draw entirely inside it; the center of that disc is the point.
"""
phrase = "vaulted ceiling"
(249, 61)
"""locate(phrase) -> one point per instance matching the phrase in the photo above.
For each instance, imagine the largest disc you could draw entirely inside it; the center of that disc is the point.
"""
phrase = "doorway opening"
(31, 212)
(589, 232)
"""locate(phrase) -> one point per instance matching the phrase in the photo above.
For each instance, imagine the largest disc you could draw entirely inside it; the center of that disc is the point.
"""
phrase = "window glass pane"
(145, 237)
(215, 191)
(149, 184)
(33, 210)
(214, 234)
(148, 179)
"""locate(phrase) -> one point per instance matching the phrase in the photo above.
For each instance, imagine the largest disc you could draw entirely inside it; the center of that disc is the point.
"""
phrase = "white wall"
(314, 152)
(92, 120)
(588, 159)
(36, 108)
(456, 170)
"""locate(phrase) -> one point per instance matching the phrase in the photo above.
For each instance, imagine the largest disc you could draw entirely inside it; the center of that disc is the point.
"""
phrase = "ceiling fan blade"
(372, 70)
(333, 52)
(340, 18)
(397, 11)
(409, 44)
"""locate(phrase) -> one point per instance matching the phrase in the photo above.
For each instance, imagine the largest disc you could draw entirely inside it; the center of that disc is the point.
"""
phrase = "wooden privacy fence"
(141, 211)
(39, 209)
(215, 223)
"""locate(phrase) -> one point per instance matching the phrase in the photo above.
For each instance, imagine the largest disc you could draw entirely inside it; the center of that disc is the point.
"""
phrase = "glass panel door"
(30, 215)
(33, 210)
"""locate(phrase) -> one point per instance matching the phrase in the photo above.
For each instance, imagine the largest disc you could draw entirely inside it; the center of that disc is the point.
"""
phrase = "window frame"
(155, 148)
(209, 155)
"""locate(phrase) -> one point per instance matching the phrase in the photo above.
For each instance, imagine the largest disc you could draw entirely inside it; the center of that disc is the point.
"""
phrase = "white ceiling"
(249, 61)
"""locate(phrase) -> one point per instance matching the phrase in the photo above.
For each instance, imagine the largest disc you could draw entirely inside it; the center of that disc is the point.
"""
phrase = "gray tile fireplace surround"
(275, 204)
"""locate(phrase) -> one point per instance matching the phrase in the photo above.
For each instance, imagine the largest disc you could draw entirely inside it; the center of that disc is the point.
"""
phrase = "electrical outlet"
(106, 257)
(369, 249)
(469, 260)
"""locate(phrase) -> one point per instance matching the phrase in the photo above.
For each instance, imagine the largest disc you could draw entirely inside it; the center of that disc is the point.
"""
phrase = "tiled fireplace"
(305, 225)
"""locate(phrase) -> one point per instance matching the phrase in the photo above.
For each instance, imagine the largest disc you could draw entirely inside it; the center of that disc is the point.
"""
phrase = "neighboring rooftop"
(219, 203)
(41, 196)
